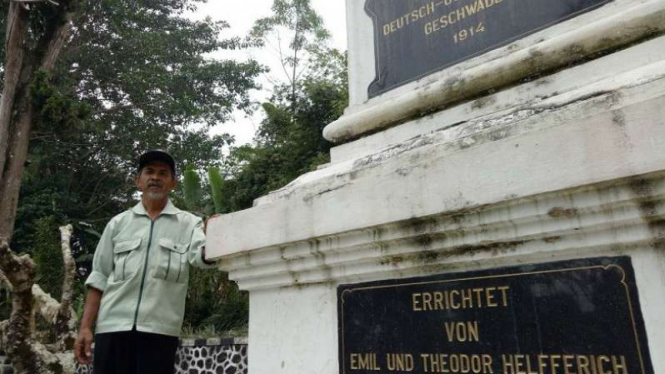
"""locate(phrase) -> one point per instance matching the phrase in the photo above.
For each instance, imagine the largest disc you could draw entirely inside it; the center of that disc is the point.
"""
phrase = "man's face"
(156, 180)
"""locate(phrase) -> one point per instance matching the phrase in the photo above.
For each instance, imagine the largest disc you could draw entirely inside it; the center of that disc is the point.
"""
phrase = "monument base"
(569, 166)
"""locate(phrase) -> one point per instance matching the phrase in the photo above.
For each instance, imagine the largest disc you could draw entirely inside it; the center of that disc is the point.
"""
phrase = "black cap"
(156, 155)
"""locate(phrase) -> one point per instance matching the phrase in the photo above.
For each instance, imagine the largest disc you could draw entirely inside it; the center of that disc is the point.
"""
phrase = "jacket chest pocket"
(126, 258)
(172, 261)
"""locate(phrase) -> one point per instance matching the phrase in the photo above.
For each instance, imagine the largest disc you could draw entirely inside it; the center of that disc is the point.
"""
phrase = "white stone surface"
(610, 27)
(610, 130)
(360, 35)
(293, 330)
(622, 63)
(293, 296)
(608, 217)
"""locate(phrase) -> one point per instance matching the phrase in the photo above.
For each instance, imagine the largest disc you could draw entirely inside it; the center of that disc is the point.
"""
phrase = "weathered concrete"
(293, 286)
(601, 129)
(567, 84)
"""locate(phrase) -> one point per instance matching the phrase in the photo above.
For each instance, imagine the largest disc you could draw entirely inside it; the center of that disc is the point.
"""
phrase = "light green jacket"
(142, 267)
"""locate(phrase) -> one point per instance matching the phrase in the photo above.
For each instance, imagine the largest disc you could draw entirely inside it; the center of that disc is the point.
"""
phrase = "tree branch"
(20, 272)
(282, 59)
(18, 341)
(65, 320)
(17, 28)
(35, 1)
(45, 305)
(56, 43)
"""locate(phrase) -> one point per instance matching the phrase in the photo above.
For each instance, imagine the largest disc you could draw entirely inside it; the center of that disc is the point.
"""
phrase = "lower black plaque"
(414, 38)
(573, 317)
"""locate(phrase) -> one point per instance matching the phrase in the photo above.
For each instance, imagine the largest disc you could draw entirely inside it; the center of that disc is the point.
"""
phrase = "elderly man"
(137, 288)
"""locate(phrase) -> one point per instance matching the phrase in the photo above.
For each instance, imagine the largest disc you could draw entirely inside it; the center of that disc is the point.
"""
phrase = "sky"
(241, 14)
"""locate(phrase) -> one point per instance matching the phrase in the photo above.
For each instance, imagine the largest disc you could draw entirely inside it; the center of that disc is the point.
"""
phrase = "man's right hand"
(83, 347)
(83, 343)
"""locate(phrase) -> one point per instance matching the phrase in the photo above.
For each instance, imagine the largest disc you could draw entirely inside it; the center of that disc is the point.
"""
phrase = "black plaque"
(579, 316)
(414, 38)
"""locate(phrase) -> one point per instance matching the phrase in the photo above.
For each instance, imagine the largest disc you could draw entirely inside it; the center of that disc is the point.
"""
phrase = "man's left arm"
(197, 248)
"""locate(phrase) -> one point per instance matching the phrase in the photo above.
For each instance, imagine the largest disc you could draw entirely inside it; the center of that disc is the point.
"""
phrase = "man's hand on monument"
(83, 347)
(203, 257)
(205, 224)
(203, 250)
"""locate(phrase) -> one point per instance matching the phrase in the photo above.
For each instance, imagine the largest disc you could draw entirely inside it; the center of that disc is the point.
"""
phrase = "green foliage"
(192, 189)
(94, 119)
(214, 304)
(216, 189)
(57, 113)
(232, 311)
(288, 144)
(47, 254)
(135, 75)
(297, 22)
(296, 16)
(158, 88)
(213, 300)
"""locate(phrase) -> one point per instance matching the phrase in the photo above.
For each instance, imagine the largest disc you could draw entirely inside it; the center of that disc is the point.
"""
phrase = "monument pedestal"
(548, 149)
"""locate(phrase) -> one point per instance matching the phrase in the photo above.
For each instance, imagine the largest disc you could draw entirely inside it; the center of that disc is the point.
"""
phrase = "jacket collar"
(169, 208)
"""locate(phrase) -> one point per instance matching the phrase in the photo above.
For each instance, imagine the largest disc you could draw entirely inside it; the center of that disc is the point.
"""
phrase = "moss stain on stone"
(558, 212)
(644, 190)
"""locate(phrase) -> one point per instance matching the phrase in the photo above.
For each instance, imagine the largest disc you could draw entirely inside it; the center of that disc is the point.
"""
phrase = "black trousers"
(134, 352)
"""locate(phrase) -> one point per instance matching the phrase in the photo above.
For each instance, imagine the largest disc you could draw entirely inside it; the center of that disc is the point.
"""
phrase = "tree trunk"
(16, 114)
(18, 336)
(65, 320)
(16, 109)
(26, 354)
(17, 28)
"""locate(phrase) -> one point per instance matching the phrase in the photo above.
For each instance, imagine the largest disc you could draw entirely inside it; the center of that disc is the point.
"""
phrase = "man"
(137, 288)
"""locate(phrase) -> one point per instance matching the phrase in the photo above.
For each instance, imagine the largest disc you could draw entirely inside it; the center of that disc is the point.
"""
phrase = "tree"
(132, 76)
(88, 85)
(19, 340)
(290, 141)
(35, 36)
(93, 119)
(296, 21)
(213, 300)
(28, 52)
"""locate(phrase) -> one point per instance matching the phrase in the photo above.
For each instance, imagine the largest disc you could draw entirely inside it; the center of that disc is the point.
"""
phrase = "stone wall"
(212, 356)
(5, 365)
(195, 356)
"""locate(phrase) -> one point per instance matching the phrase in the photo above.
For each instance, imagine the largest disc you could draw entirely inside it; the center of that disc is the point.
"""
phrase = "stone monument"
(494, 201)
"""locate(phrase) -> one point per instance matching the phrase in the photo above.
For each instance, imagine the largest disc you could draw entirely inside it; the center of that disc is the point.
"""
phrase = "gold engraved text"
(469, 33)
(456, 363)
(400, 362)
(563, 364)
(364, 361)
(459, 14)
(408, 18)
(469, 298)
(462, 331)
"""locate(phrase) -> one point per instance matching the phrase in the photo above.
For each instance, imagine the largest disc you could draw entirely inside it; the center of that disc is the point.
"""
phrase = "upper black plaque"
(580, 317)
(414, 38)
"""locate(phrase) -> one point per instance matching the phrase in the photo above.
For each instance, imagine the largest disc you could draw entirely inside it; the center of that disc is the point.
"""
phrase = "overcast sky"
(241, 14)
